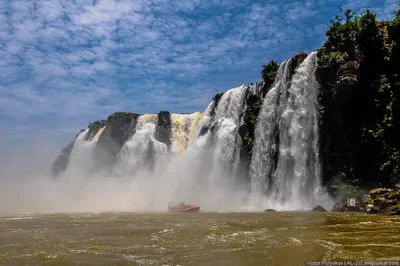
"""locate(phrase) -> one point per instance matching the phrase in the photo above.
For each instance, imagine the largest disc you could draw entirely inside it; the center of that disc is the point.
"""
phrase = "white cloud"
(65, 63)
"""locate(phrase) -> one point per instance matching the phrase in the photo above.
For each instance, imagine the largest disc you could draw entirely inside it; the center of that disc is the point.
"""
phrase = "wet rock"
(61, 163)
(379, 201)
(378, 191)
(388, 203)
(94, 127)
(216, 100)
(370, 207)
(385, 201)
(394, 195)
(248, 125)
(344, 207)
(120, 127)
(163, 129)
(296, 61)
(349, 70)
(374, 210)
(366, 199)
(391, 210)
(269, 210)
(319, 208)
(203, 130)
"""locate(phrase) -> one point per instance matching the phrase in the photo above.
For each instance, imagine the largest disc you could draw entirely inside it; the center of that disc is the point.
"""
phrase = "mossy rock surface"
(359, 101)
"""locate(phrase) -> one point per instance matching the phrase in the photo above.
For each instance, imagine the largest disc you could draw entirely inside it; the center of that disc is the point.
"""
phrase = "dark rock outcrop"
(248, 125)
(385, 201)
(318, 208)
(345, 207)
(296, 61)
(359, 102)
(94, 128)
(209, 127)
(216, 100)
(163, 130)
(120, 126)
(61, 163)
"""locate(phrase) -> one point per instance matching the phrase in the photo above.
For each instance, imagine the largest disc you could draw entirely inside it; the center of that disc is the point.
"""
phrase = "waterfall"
(184, 130)
(197, 157)
(265, 142)
(295, 182)
(81, 167)
(142, 150)
(226, 125)
(83, 154)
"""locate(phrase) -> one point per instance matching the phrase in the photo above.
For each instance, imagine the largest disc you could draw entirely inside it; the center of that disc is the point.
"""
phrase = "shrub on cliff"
(95, 124)
(359, 121)
(118, 116)
(269, 70)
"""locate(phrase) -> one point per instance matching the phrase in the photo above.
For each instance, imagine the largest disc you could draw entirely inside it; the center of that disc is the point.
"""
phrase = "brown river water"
(282, 238)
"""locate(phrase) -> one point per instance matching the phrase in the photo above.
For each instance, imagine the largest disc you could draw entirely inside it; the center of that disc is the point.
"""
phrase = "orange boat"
(182, 207)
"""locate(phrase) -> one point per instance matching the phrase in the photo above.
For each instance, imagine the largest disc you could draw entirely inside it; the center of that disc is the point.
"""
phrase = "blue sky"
(64, 63)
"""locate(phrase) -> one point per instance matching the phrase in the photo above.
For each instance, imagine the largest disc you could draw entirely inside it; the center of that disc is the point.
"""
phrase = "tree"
(349, 14)
(268, 71)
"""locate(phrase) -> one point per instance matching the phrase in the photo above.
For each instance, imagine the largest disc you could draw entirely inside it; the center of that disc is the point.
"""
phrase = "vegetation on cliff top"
(358, 70)
(269, 70)
(96, 124)
(122, 116)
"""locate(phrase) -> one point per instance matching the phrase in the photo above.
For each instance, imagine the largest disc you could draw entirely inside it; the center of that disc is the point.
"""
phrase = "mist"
(202, 164)
(26, 184)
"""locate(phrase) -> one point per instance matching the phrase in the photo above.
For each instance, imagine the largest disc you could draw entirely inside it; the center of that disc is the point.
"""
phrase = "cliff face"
(358, 70)
(359, 116)
(112, 134)
(118, 129)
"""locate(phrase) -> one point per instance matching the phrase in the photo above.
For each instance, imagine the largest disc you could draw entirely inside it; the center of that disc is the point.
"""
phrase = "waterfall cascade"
(285, 163)
(201, 160)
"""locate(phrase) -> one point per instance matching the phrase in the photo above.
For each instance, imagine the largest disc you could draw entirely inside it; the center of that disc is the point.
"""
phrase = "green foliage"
(349, 14)
(392, 166)
(358, 63)
(367, 17)
(353, 26)
(268, 71)
(350, 191)
(122, 115)
(249, 140)
(394, 30)
(368, 24)
(330, 59)
(347, 30)
(98, 123)
(347, 79)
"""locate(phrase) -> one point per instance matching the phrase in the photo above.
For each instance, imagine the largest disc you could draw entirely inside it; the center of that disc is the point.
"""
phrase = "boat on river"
(182, 207)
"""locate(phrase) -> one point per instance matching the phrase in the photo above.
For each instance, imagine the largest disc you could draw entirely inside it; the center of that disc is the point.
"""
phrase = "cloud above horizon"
(65, 63)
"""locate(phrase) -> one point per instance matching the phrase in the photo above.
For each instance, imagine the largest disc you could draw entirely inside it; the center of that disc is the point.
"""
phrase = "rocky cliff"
(358, 70)
(358, 116)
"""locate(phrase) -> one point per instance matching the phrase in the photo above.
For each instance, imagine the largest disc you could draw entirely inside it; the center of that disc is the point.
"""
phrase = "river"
(281, 238)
